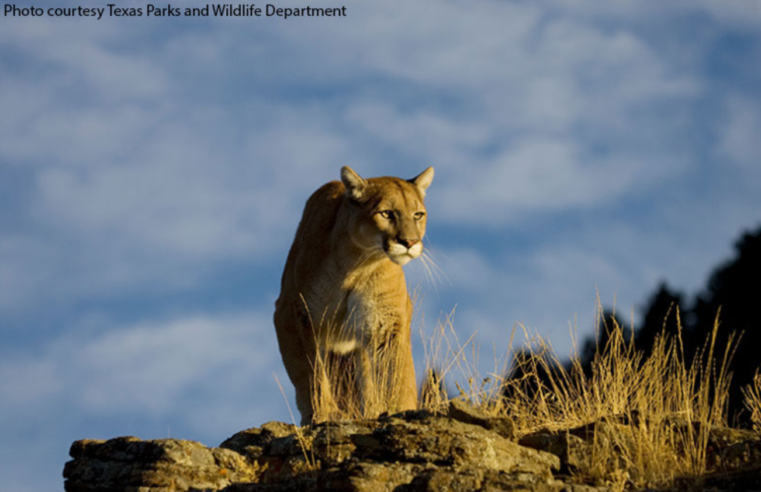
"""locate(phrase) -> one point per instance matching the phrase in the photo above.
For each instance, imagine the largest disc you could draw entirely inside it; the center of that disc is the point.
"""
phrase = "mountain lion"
(343, 299)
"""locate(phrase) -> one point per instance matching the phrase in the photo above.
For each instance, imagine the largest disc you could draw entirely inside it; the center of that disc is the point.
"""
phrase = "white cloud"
(91, 55)
(431, 136)
(739, 137)
(143, 369)
(540, 175)
(468, 270)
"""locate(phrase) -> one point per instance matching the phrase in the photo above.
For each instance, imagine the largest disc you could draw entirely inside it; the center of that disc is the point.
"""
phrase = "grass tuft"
(752, 394)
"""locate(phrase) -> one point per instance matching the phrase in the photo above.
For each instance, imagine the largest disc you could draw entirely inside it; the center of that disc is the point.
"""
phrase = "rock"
(447, 442)
(573, 451)
(357, 477)
(733, 450)
(334, 443)
(464, 412)
(437, 480)
(251, 442)
(366, 477)
(127, 463)
(459, 451)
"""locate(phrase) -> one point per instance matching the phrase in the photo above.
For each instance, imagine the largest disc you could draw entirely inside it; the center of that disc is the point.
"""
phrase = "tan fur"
(343, 290)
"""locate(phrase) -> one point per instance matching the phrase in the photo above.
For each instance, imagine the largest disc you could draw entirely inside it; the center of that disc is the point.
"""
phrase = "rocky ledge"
(459, 450)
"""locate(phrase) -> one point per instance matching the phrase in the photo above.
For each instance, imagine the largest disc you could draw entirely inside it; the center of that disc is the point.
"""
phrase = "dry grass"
(662, 406)
(752, 394)
(653, 399)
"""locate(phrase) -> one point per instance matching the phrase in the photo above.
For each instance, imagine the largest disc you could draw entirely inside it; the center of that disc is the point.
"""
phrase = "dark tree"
(660, 316)
(734, 294)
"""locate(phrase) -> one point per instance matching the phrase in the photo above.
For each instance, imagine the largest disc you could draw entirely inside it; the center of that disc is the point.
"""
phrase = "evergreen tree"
(734, 294)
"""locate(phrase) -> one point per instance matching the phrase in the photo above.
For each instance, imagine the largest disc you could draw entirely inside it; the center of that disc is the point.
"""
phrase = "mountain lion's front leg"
(407, 383)
(387, 372)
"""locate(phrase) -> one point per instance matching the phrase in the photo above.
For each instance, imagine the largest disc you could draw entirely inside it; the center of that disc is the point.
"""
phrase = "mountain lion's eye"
(387, 214)
(419, 215)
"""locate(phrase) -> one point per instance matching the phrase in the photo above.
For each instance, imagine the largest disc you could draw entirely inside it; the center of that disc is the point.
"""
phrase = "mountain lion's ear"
(355, 186)
(423, 180)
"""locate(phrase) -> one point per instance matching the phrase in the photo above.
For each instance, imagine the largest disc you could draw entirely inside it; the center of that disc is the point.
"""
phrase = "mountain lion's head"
(387, 214)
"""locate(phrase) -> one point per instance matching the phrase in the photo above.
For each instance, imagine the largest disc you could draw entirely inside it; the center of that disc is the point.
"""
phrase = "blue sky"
(153, 172)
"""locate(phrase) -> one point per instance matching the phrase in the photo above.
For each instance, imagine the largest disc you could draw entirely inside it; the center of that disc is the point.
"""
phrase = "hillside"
(458, 449)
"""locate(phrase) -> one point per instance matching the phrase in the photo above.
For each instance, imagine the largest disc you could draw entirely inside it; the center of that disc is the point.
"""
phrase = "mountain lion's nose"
(408, 243)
